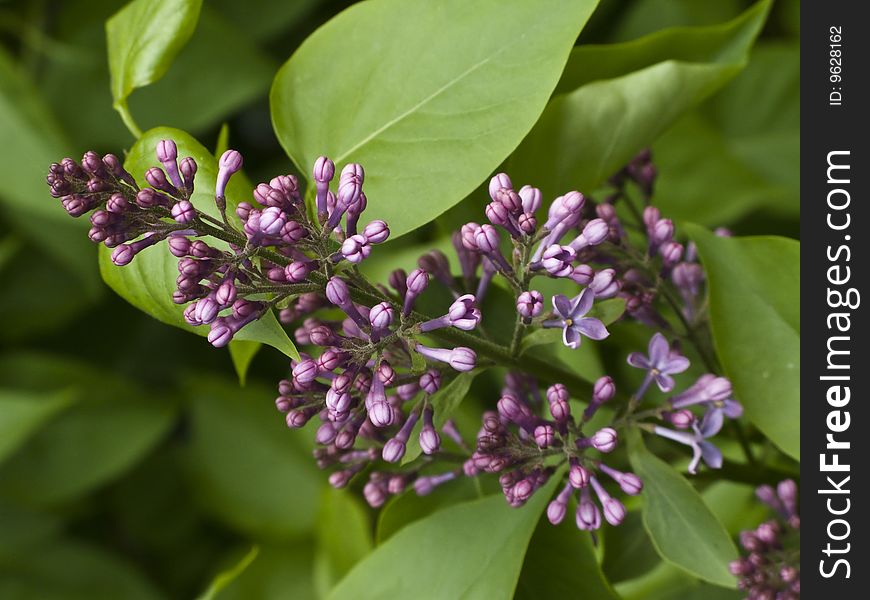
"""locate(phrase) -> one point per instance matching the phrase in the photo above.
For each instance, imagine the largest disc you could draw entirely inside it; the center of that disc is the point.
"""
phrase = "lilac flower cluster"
(771, 570)
(526, 449)
(373, 363)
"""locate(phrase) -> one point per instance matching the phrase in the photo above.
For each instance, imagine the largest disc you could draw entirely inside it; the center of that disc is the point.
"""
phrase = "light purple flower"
(713, 391)
(572, 320)
(697, 440)
(661, 362)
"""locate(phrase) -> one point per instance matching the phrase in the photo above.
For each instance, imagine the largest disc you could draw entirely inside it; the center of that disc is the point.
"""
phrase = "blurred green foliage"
(132, 465)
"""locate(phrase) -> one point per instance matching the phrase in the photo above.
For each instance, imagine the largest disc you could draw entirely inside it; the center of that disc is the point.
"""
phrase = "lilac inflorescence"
(771, 567)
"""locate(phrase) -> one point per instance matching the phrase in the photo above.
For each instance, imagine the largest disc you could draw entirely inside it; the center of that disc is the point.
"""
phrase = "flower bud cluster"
(771, 568)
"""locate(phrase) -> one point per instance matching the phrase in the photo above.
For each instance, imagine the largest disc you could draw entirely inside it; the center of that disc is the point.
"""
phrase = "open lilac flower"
(572, 320)
(715, 392)
(661, 362)
(697, 440)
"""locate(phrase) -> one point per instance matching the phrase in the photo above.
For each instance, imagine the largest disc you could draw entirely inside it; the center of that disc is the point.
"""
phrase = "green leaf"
(148, 282)
(560, 562)
(110, 428)
(72, 570)
(238, 436)
(470, 550)
(22, 414)
(143, 38)
(408, 507)
(754, 290)
(225, 578)
(628, 550)
(749, 135)
(279, 572)
(344, 537)
(586, 135)
(32, 140)
(242, 353)
(681, 527)
(429, 97)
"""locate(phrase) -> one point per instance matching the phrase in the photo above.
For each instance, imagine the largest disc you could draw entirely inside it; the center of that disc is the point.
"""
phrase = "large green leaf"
(626, 96)
(344, 537)
(408, 507)
(143, 38)
(247, 467)
(561, 563)
(429, 96)
(69, 569)
(23, 413)
(111, 427)
(32, 140)
(470, 550)
(755, 316)
(148, 282)
(279, 572)
(749, 138)
(681, 526)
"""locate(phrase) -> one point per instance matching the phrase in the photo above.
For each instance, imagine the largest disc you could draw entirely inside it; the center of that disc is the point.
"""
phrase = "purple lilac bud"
(425, 485)
(588, 516)
(124, 253)
(355, 249)
(672, 253)
(381, 315)
(498, 182)
(230, 163)
(188, 171)
(531, 199)
(681, 419)
(167, 154)
(557, 260)
(557, 397)
(415, 284)
(630, 483)
(544, 436)
(604, 440)
(559, 506)
(604, 284)
(595, 232)
(376, 232)
(430, 441)
(578, 475)
(324, 171)
(183, 212)
(530, 304)
(430, 381)
(614, 510)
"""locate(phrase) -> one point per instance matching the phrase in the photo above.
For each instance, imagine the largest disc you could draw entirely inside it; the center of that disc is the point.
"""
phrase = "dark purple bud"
(394, 450)
(331, 359)
(340, 479)
(374, 494)
(578, 475)
(767, 533)
(272, 220)
(183, 212)
(788, 492)
(527, 223)
(93, 164)
(179, 245)
(188, 172)
(530, 304)
(486, 239)
(305, 371)
(417, 281)
(325, 433)
(243, 211)
(355, 249)
(544, 436)
(430, 381)
(324, 170)
(117, 204)
(614, 511)
(156, 178)
(661, 232)
(297, 271)
(381, 414)
(604, 440)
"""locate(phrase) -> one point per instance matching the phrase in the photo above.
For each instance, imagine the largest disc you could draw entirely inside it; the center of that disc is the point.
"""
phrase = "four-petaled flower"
(709, 426)
(661, 362)
(572, 320)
